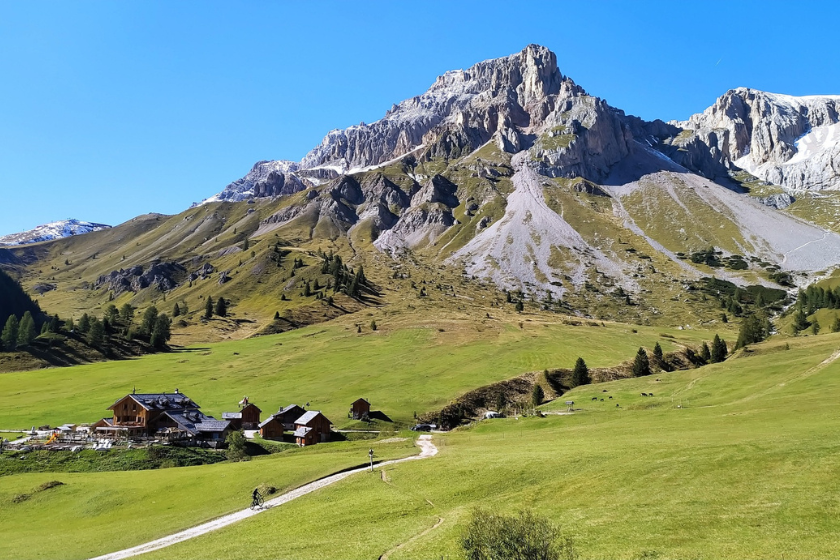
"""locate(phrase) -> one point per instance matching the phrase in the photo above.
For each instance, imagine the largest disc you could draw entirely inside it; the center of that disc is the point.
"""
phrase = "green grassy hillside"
(745, 468)
(405, 366)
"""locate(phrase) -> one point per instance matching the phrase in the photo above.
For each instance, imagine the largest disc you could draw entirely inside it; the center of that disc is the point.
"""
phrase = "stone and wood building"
(360, 409)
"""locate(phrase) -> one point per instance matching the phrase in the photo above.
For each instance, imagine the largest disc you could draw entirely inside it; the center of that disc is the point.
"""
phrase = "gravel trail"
(427, 449)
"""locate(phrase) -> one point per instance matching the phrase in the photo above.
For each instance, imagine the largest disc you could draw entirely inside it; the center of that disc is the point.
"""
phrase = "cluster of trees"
(814, 297)
(220, 308)
(18, 333)
(14, 300)
(754, 328)
(344, 279)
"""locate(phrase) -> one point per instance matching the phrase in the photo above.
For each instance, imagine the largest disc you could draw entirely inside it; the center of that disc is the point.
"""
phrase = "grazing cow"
(644, 394)
(616, 404)
(594, 398)
(650, 394)
(603, 390)
(602, 400)
(610, 396)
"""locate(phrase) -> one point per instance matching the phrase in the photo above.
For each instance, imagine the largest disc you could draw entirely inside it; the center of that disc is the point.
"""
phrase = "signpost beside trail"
(370, 454)
(570, 404)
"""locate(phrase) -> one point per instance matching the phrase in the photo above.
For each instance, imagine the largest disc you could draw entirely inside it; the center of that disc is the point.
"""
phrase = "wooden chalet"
(283, 420)
(359, 409)
(248, 417)
(172, 416)
(311, 428)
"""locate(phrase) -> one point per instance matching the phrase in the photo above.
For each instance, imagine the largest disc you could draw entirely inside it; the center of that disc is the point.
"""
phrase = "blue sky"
(113, 109)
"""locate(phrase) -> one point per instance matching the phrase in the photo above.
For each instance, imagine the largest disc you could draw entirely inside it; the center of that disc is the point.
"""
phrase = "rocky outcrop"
(162, 275)
(266, 178)
(777, 201)
(789, 141)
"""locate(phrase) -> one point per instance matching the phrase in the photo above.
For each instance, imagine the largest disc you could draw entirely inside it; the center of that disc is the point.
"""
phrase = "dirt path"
(412, 539)
(427, 449)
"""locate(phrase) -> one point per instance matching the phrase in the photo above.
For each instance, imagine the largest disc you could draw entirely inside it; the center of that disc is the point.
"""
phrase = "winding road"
(427, 449)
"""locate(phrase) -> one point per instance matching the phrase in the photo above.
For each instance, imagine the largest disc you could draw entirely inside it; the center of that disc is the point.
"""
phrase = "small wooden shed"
(359, 409)
(271, 428)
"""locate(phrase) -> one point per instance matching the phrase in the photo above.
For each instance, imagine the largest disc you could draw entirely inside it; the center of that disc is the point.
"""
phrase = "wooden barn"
(272, 428)
(359, 409)
(248, 417)
(289, 414)
(311, 428)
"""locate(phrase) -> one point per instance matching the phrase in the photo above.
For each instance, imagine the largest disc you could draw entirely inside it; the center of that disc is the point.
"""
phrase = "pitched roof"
(252, 404)
(309, 416)
(268, 420)
(289, 408)
(231, 415)
(301, 432)
(160, 401)
(194, 422)
(361, 399)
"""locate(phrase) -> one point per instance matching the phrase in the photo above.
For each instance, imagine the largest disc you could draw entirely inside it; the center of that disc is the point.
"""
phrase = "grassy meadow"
(407, 365)
(735, 460)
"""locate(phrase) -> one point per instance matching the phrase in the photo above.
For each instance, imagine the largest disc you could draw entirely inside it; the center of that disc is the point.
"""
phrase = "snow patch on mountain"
(52, 230)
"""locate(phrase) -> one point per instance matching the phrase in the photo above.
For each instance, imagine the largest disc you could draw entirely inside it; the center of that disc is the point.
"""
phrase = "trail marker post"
(370, 454)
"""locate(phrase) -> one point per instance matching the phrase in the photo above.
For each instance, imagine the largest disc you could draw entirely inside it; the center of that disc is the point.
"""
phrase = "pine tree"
(208, 308)
(149, 319)
(112, 314)
(537, 395)
(719, 350)
(800, 321)
(26, 331)
(161, 332)
(55, 324)
(96, 333)
(835, 326)
(127, 314)
(45, 328)
(657, 353)
(372, 325)
(705, 353)
(815, 326)
(276, 315)
(10, 333)
(307, 290)
(580, 375)
(69, 326)
(221, 307)
(520, 306)
(184, 308)
(176, 310)
(641, 365)
(84, 324)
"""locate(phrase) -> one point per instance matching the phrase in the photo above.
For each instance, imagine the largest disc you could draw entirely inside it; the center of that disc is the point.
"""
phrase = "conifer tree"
(580, 375)
(307, 291)
(112, 314)
(221, 307)
(520, 306)
(719, 350)
(372, 325)
(96, 333)
(127, 314)
(10, 333)
(176, 310)
(276, 315)
(537, 395)
(84, 324)
(815, 326)
(835, 326)
(55, 324)
(69, 326)
(149, 319)
(657, 353)
(161, 332)
(800, 321)
(208, 308)
(641, 365)
(705, 353)
(26, 331)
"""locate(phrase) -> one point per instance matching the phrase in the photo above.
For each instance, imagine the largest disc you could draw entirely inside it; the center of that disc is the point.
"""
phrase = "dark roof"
(289, 408)
(161, 401)
(252, 404)
(360, 399)
(194, 422)
(308, 417)
(231, 415)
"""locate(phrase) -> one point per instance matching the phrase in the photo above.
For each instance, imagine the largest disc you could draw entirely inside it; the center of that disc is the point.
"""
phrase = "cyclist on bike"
(255, 495)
